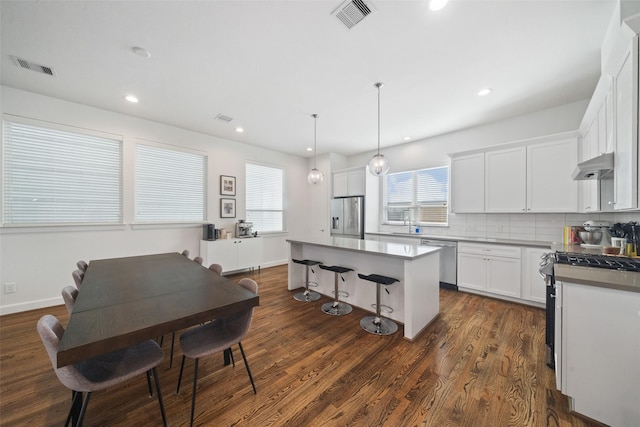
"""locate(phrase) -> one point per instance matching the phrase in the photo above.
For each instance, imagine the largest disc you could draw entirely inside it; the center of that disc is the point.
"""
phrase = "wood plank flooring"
(480, 363)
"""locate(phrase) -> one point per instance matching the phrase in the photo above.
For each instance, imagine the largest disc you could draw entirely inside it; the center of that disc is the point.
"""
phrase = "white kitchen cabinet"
(550, 187)
(493, 269)
(600, 334)
(232, 254)
(505, 187)
(349, 182)
(467, 183)
(533, 286)
(626, 135)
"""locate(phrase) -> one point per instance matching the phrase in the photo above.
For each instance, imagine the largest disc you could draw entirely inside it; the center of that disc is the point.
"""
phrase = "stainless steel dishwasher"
(448, 261)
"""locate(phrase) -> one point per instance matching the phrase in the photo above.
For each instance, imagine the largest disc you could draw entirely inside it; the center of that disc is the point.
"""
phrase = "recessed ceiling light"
(309, 149)
(485, 91)
(131, 98)
(239, 130)
(436, 5)
(407, 138)
(140, 51)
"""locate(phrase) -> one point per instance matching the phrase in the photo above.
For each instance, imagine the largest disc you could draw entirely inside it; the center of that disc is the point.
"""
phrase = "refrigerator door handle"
(336, 222)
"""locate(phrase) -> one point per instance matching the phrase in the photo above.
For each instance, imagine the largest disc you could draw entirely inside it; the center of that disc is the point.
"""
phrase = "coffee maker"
(243, 229)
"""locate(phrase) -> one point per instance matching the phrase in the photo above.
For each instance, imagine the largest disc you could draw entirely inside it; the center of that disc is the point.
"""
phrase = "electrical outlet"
(9, 288)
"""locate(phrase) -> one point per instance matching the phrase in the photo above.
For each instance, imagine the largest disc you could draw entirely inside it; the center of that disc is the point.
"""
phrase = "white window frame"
(184, 183)
(251, 188)
(414, 209)
(93, 193)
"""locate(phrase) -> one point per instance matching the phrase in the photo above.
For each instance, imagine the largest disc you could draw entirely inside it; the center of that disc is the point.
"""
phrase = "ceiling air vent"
(352, 11)
(30, 65)
(223, 118)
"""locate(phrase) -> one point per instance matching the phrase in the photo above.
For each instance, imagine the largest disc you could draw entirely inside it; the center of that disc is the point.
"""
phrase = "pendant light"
(378, 165)
(315, 176)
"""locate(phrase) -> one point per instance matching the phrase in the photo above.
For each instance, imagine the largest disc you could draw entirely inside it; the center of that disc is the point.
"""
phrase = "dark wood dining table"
(124, 301)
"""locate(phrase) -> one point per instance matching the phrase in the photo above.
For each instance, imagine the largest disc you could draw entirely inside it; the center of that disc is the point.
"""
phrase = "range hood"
(597, 168)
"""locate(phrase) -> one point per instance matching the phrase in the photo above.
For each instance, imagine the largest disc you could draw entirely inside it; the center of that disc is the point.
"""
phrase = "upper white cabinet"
(467, 183)
(505, 180)
(626, 133)
(525, 176)
(550, 187)
(349, 182)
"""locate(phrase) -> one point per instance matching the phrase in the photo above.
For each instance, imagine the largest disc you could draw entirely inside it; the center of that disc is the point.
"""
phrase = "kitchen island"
(414, 299)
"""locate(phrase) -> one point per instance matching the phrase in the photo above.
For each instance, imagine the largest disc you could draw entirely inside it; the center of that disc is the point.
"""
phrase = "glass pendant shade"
(378, 165)
(315, 176)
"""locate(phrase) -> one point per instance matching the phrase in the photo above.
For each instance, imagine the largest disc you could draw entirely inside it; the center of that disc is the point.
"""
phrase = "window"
(59, 175)
(170, 184)
(417, 196)
(265, 198)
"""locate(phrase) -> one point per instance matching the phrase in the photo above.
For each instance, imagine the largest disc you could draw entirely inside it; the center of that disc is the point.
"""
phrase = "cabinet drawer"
(493, 250)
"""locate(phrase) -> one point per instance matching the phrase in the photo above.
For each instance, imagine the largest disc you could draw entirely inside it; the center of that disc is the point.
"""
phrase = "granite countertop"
(600, 277)
(512, 242)
(397, 250)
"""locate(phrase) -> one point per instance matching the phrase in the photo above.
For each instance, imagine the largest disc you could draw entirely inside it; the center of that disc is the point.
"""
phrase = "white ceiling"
(271, 64)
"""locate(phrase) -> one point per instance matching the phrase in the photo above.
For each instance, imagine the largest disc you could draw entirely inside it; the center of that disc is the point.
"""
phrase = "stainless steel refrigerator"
(347, 217)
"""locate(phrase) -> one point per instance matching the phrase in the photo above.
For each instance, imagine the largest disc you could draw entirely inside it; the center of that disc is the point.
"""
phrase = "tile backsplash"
(536, 227)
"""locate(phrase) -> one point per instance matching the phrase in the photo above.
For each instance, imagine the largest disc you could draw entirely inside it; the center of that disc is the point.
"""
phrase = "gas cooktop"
(599, 261)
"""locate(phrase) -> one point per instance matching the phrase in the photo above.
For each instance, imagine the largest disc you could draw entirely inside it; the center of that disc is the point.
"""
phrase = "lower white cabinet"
(533, 286)
(232, 254)
(600, 350)
(494, 269)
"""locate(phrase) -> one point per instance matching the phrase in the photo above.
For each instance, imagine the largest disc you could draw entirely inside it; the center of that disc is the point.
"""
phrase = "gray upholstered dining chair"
(186, 253)
(82, 266)
(78, 277)
(100, 372)
(69, 295)
(217, 268)
(198, 259)
(217, 336)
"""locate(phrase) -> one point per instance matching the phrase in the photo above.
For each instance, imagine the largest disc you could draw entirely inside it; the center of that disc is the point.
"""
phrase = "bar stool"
(337, 308)
(376, 324)
(307, 295)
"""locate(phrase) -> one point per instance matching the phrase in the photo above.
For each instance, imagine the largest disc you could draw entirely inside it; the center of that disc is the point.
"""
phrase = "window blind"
(418, 196)
(59, 176)
(169, 185)
(265, 197)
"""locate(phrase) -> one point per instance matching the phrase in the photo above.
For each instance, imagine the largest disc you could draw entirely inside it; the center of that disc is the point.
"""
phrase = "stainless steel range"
(598, 261)
(619, 263)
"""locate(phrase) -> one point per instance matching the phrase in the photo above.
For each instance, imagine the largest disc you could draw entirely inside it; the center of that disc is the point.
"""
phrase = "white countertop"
(398, 250)
(513, 242)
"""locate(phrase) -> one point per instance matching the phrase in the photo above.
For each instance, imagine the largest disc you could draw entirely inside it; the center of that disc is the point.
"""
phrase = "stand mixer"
(596, 234)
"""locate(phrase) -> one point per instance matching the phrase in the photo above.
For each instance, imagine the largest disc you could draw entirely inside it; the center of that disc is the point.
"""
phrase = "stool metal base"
(378, 325)
(306, 296)
(336, 308)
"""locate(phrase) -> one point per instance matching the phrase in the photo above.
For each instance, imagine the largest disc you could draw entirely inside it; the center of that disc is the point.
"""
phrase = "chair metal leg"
(157, 381)
(180, 376)
(173, 340)
(85, 402)
(246, 364)
(149, 384)
(76, 398)
(233, 362)
(193, 393)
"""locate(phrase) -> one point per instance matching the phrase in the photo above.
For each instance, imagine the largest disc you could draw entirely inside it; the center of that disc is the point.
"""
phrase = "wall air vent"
(30, 65)
(352, 11)
(223, 118)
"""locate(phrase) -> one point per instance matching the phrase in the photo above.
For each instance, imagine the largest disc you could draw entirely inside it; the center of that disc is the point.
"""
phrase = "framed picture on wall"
(227, 208)
(227, 185)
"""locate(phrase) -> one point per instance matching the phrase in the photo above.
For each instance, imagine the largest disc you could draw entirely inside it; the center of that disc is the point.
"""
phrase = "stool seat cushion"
(335, 268)
(383, 280)
(306, 261)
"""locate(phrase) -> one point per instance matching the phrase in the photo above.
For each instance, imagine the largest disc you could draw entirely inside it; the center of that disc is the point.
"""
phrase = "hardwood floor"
(480, 363)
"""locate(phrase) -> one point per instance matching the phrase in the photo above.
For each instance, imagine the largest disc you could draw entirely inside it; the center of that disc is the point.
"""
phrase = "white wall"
(40, 260)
